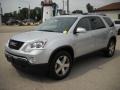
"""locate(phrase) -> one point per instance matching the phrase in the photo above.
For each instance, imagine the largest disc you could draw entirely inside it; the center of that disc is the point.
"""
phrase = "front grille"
(15, 44)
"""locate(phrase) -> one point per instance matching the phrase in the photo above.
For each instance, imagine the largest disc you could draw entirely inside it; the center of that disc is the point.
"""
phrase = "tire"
(18, 68)
(60, 65)
(110, 50)
(119, 32)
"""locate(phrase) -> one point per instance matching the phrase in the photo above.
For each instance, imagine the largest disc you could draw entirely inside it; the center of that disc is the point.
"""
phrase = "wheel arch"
(113, 38)
(68, 49)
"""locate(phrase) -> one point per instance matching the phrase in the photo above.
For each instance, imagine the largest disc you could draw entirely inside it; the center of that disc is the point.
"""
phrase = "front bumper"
(20, 61)
(33, 58)
(17, 59)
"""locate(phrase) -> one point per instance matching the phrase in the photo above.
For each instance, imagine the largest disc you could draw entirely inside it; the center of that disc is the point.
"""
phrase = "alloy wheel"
(62, 65)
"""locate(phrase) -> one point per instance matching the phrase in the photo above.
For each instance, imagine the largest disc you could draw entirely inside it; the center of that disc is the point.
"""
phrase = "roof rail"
(102, 14)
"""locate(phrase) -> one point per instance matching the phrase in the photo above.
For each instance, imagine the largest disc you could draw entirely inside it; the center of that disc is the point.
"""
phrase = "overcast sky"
(12, 5)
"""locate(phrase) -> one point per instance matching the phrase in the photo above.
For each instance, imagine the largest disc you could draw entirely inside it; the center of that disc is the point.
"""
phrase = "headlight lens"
(35, 45)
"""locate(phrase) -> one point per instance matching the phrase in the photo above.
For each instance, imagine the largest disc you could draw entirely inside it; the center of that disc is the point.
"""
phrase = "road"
(91, 72)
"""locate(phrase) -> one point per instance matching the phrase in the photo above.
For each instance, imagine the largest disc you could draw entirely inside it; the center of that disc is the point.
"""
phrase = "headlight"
(34, 45)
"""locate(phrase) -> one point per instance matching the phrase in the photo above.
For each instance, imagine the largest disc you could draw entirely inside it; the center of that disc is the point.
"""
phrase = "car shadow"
(81, 66)
(90, 62)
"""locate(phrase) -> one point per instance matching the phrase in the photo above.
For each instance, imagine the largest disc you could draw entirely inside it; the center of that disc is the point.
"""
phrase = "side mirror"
(80, 30)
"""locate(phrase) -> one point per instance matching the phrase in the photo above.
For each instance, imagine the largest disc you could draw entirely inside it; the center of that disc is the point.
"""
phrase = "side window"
(96, 23)
(108, 21)
(84, 23)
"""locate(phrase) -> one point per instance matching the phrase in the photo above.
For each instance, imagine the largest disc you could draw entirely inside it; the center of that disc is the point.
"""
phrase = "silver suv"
(58, 41)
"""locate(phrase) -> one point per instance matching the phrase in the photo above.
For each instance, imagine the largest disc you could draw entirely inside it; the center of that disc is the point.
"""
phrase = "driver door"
(84, 42)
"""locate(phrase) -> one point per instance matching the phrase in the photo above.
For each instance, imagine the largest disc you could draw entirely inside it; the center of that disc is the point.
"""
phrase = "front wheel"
(110, 50)
(60, 65)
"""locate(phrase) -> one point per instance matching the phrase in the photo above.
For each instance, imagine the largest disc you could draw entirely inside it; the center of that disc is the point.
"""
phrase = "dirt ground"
(10, 29)
(91, 72)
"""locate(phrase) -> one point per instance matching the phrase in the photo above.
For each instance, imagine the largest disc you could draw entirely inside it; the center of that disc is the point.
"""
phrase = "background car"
(117, 24)
(28, 22)
(12, 22)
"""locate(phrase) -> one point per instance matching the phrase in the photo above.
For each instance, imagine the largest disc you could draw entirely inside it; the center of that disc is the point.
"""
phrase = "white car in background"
(117, 24)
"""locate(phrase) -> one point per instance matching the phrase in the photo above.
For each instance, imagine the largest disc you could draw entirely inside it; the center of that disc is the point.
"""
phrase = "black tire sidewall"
(107, 50)
(52, 72)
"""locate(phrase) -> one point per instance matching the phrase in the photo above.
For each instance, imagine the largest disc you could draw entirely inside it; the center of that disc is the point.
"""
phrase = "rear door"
(100, 32)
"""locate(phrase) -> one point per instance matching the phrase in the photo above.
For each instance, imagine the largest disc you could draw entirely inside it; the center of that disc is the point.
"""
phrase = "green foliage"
(23, 14)
(35, 14)
(90, 8)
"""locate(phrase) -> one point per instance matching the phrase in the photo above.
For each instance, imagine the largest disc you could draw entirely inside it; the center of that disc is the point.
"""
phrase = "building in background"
(49, 9)
(112, 10)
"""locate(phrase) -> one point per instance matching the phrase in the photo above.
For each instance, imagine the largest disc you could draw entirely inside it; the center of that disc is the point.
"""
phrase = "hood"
(37, 35)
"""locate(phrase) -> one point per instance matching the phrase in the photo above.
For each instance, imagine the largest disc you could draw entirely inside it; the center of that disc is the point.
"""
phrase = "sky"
(12, 5)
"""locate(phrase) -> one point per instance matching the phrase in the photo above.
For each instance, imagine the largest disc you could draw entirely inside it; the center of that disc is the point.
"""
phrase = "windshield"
(58, 24)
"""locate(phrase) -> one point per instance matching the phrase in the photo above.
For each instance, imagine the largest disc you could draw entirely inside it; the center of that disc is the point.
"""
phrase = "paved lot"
(91, 72)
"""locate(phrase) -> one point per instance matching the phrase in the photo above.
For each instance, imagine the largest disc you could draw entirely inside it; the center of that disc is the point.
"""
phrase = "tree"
(15, 14)
(90, 8)
(23, 14)
(77, 12)
(36, 13)
(42, 3)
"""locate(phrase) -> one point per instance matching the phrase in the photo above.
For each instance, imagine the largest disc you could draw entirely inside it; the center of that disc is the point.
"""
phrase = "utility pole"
(63, 5)
(0, 14)
(19, 9)
(19, 12)
(29, 12)
(68, 7)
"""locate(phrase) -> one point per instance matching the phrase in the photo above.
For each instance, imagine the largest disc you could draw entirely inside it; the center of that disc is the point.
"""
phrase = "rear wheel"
(110, 50)
(119, 32)
(60, 65)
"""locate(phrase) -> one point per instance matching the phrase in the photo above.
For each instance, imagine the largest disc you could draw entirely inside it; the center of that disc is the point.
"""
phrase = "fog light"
(32, 60)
